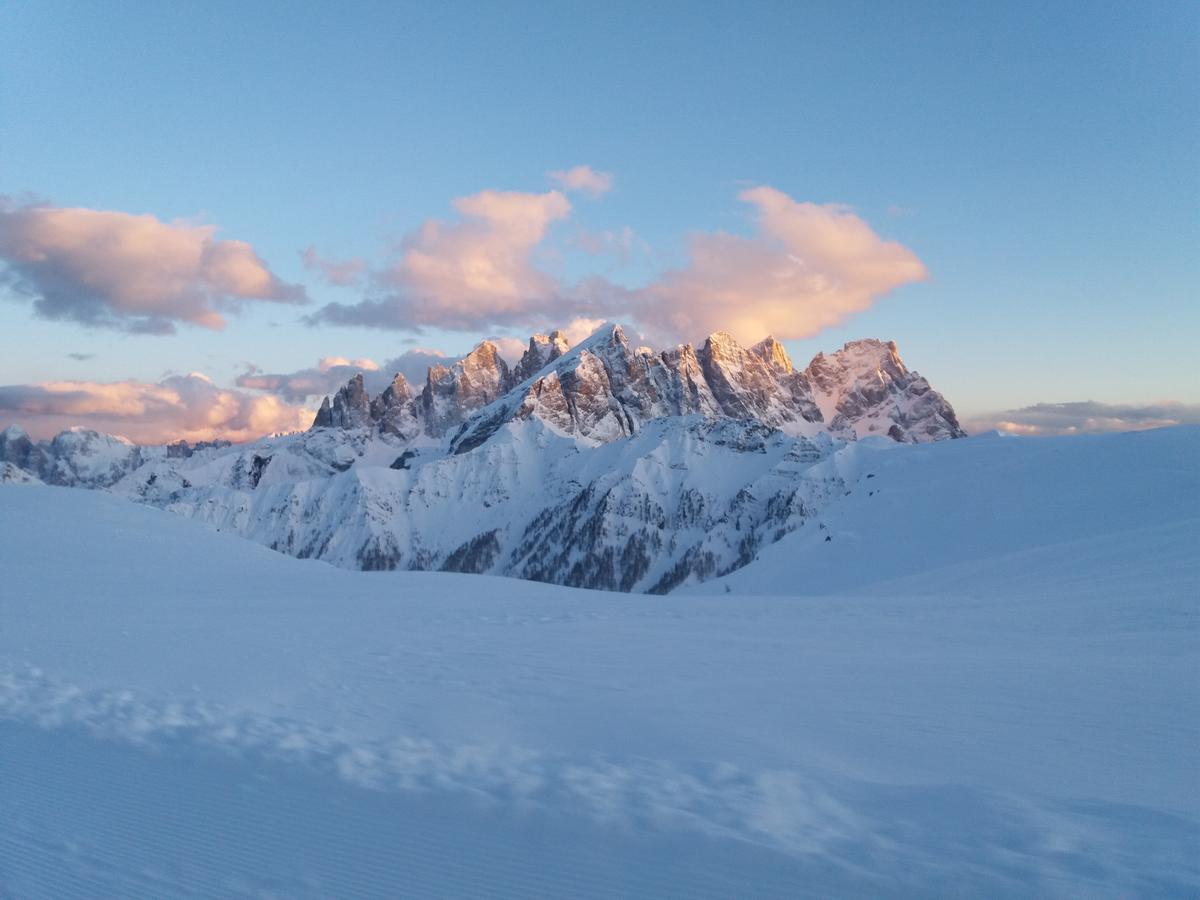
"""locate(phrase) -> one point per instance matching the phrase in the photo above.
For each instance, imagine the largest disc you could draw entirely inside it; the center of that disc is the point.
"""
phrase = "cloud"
(809, 267)
(578, 329)
(326, 377)
(344, 273)
(806, 268)
(190, 407)
(130, 272)
(81, 357)
(414, 364)
(1086, 417)
(584, 179)
(331, 372)
(326, 363)
(466, 275)
(511, 349)
(619, 243)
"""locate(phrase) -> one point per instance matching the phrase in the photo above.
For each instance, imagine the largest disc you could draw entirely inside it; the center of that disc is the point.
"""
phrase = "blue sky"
(1039, 160)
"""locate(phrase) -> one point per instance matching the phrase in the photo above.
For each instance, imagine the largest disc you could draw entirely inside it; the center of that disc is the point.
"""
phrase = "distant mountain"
(600, 465)
(603, 389)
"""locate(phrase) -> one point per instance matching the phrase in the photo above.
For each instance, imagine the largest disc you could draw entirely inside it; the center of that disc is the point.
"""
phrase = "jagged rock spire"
(772, 353)
(543, 350)
(351, 407)
(451, 393)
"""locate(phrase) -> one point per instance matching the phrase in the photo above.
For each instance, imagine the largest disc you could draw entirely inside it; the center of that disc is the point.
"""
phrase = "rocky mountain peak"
(453, 392)
(17, 448)
(393, 410)
(756, 384)
(602, 390)
(865, 389)
(351, 407)
(772, 353)
(722, 341)
(397, 393)
(543, 350)
(607, 340)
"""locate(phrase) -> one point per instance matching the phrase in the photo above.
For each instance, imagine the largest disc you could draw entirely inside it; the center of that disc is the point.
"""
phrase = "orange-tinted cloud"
(132, 272)
(190, 407)
(466, 275)
(584, 179)
(809, 267)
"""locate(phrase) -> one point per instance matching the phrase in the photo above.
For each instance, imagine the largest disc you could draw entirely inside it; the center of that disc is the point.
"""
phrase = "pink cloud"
(341, 273)
(584, 179)
(467, 274)
(331, 372)
(133, 272)
(806, 267)
(190, 407)
(1086, 417)
(621, 244)
(809, 267)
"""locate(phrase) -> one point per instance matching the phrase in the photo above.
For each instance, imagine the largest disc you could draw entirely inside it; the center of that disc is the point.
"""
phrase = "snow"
(10, 474)
(381, 484)
(912, 510)
(1008, 713)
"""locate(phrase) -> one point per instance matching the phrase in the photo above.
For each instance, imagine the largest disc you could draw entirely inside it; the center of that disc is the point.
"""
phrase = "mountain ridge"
(606, 465)
(603, 389)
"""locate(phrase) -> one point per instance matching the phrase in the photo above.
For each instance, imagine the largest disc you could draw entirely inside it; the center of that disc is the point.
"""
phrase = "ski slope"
(186, 713)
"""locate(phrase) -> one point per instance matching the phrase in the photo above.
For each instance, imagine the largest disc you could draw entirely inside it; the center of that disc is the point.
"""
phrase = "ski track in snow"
(791, 824)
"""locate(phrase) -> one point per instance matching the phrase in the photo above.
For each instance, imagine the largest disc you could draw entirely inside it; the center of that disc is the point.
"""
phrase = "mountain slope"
(600, 465)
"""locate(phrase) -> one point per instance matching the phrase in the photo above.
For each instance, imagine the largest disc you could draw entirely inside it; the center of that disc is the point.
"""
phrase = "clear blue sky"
(1040, 159)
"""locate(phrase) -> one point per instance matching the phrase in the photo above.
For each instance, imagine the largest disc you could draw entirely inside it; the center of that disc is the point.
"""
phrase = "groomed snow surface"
(985, 683)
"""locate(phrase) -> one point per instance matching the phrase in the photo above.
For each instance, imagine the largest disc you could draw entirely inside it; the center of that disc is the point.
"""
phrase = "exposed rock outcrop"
(865, 389)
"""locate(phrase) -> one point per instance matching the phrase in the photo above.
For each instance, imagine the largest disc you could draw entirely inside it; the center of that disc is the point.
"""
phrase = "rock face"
(543, 350)
(351, 407)
(601, 465)
(603, 390)
(865, 389)
(12, 474)
(393, 410)
(78, 457)
(452, 392)
(18, 450)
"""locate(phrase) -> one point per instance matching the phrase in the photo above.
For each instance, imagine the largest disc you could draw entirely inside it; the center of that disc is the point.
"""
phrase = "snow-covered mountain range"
(600, 465)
